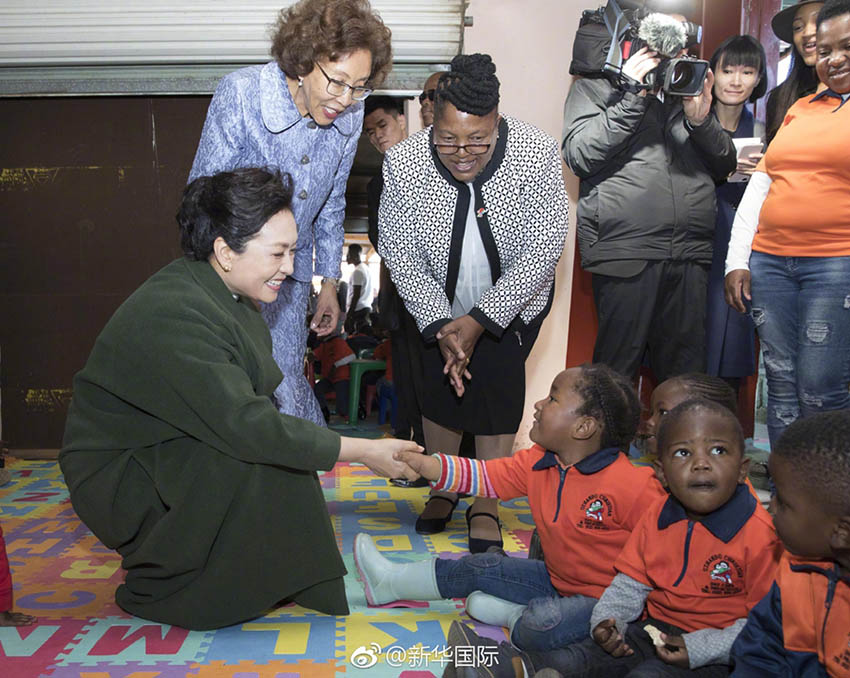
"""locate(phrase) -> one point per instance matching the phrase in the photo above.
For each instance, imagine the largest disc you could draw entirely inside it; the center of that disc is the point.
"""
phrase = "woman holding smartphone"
(740, 77)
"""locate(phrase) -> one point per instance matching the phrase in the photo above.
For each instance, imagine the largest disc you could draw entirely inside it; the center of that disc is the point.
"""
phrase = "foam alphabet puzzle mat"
(63, 575)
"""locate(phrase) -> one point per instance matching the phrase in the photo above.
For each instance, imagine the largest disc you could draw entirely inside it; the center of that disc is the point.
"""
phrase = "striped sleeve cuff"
(465, 476)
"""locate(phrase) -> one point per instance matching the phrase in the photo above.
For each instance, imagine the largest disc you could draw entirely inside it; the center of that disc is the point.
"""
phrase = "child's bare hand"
(425, 465)
(610, 639)
(380, 457)
(673, 651)
(10, 618)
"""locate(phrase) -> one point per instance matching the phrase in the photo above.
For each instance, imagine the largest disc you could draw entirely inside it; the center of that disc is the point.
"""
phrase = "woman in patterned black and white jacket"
(472, 223)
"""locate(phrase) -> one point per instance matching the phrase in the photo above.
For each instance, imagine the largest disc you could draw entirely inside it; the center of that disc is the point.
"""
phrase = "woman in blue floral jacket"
(302, 114)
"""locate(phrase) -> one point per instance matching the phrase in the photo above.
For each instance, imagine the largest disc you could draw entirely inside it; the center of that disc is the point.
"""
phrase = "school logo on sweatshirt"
(725, 576)
(721, 572)
(595, 512)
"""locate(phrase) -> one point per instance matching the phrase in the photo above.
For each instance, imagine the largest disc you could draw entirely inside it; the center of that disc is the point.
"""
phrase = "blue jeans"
(801, 310)
(549, 621)
(589, 660)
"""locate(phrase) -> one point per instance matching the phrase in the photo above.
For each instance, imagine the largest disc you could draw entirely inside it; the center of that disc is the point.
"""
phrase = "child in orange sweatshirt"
(585, 497)
(698, 561)
(802, 627)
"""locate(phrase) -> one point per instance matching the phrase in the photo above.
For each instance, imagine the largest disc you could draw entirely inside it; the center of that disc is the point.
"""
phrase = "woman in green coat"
(175, 454)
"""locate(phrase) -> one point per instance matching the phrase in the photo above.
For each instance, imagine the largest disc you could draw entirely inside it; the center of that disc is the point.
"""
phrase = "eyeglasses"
(471, 149)
(339, 88)
(427, 94)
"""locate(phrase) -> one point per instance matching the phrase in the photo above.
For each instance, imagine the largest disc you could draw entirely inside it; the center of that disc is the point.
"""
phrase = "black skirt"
(495, 396)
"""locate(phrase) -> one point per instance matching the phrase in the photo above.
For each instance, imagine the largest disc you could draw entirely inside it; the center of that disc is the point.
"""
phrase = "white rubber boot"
(386, 581)
(492, 610)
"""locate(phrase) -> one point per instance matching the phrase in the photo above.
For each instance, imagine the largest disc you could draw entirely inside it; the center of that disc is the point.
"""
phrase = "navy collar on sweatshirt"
(829, 93)
(827, 568)
(724, 523)
(590, 464)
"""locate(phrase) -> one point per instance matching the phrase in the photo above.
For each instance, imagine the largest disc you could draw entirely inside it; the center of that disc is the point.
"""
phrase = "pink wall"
(531, 43)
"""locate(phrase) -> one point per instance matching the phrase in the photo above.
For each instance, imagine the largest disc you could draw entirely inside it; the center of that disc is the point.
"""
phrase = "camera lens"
(683, 72)
(685, 76)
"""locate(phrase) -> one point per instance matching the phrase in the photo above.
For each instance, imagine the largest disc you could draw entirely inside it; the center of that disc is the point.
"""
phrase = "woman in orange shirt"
(790, 247)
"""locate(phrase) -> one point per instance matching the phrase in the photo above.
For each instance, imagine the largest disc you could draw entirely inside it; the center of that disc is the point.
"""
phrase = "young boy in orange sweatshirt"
(802, 627)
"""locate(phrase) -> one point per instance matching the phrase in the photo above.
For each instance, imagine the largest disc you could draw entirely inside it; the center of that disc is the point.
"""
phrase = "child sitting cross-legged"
(585, 497)
(695, 565)
(801, 629)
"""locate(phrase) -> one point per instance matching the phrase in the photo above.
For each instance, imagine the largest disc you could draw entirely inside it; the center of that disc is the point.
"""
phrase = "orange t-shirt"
(584, 514)
(703, 574)
(807, 209)
(383, 351)
(329, 352)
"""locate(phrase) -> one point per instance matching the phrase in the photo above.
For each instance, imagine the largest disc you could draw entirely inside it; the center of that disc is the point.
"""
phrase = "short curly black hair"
(832, 9)
(610, 398)
(471, 86)
(818, 450)
(313, 30)
(688, 408)
(699, 385)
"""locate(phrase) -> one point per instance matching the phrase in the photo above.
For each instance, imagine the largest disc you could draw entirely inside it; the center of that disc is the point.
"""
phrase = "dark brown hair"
(801, 81)
(313, 30)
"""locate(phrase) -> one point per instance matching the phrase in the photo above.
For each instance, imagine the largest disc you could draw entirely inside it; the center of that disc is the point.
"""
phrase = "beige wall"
(531, 43)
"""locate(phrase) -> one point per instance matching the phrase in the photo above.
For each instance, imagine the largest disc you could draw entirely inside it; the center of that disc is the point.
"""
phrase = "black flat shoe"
(481, 545)
(403, 482)
(435, 525)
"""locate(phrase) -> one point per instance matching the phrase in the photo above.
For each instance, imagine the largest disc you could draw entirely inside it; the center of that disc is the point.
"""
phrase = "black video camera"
(603, 33)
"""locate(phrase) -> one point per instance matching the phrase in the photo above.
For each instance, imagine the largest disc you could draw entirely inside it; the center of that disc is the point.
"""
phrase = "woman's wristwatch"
(331, 281)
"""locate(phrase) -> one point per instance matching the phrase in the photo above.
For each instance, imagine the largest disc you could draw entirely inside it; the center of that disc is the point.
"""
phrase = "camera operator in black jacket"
(646, 212)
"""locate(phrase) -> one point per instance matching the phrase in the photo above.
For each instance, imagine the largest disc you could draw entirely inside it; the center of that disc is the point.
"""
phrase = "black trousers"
(407, 375)
(340, 388)
(662, 308)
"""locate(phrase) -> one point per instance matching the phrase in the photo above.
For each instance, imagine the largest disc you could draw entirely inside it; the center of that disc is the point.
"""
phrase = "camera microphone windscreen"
(663, 34)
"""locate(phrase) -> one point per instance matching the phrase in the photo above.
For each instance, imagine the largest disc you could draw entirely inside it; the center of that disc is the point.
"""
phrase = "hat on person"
(783, 22)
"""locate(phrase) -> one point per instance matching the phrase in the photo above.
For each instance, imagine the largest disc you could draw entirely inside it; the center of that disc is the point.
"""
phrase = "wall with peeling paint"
(88, 192)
